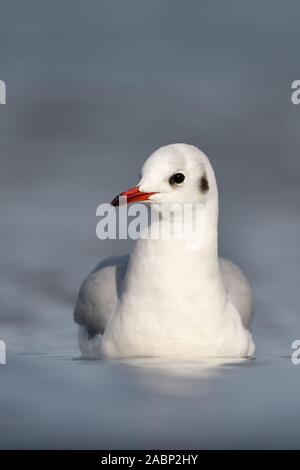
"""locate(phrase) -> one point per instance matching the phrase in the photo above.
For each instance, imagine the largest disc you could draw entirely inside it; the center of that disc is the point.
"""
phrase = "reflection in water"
(202, 368)
(178, 378)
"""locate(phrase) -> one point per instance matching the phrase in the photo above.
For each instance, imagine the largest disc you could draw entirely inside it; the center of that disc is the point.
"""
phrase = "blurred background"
(93, 88)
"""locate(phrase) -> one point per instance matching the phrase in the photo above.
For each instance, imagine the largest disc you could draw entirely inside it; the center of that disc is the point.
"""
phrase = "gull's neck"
(177, 268)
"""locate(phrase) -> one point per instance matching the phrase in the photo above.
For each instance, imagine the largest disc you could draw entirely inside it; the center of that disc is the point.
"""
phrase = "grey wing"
(238, 290)
(99, 293)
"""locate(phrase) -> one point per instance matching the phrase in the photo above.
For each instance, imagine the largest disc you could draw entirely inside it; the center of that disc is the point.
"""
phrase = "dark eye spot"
(177, 178)
(204, 186)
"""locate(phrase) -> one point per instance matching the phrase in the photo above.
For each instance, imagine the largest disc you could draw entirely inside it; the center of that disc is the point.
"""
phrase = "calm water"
(93, 89)
(55, 402)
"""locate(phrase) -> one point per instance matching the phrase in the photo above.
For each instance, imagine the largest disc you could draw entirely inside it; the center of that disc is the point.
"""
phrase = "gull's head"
(176, 173)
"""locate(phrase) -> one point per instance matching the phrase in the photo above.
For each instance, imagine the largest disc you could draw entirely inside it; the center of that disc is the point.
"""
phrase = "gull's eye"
(177, 178)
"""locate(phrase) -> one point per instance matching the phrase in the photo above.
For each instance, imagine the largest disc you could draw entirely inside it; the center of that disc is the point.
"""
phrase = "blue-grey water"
(92, 89)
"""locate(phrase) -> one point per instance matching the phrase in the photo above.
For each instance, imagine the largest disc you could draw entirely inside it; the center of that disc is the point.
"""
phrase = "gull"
(168, 299)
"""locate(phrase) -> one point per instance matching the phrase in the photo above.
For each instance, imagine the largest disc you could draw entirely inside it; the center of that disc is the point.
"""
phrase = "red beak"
(132, 195)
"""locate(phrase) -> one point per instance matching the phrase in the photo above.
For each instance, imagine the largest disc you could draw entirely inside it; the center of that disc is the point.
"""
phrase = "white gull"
(167, 300)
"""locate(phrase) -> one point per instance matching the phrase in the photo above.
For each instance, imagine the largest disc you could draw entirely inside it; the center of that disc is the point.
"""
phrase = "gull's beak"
(131, 195)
